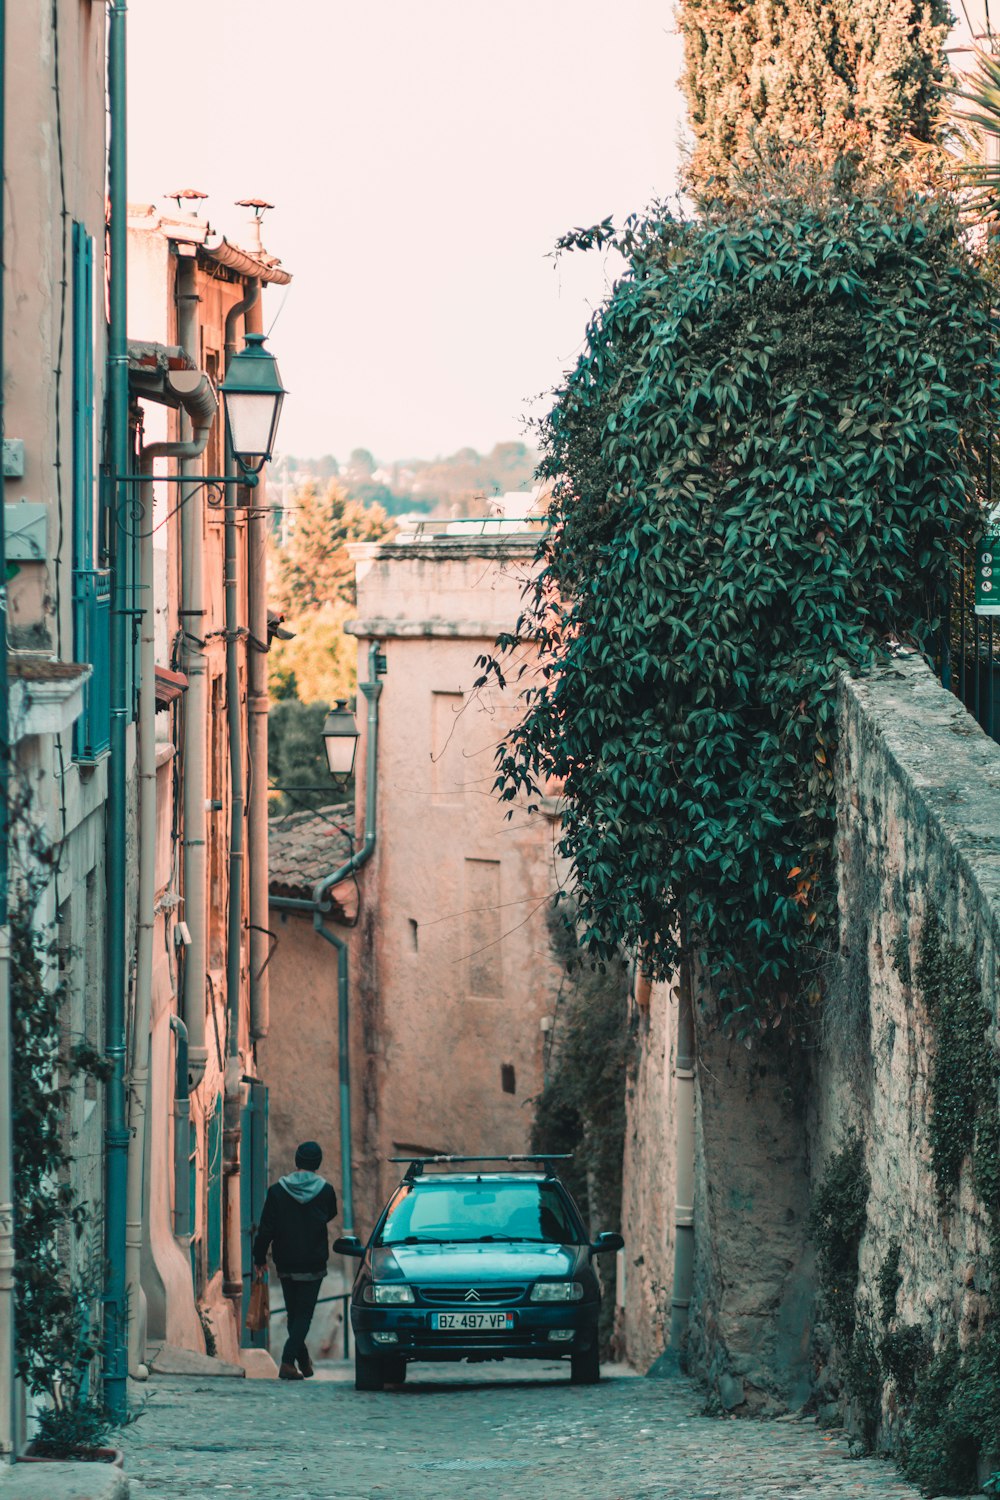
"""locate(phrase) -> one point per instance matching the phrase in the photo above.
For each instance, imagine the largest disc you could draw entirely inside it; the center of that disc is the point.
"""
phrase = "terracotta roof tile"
(305, 847)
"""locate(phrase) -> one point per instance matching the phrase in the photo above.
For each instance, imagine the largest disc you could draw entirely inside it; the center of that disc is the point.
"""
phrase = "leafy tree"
(844, 76)
(763, 458)
(313, 568)
(319, 664)
(296, 758)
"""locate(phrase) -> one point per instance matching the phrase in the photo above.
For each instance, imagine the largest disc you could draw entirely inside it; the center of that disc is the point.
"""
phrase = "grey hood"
(302, 1186)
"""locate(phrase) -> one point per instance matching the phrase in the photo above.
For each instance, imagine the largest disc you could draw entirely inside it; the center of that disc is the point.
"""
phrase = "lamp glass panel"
(252, 421)
(340, 751)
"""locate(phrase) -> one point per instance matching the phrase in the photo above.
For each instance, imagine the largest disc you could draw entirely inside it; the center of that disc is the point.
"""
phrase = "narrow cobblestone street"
(471, 1433)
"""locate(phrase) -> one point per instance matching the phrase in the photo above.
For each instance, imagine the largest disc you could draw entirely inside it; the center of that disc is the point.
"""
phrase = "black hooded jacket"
(293, 1227)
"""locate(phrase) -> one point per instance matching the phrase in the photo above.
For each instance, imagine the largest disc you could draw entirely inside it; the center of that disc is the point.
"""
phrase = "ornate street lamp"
(340, 735)
(252, 392)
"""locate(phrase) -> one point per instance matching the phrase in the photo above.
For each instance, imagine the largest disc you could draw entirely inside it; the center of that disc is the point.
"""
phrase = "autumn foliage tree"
(845, 76)
(314, 568)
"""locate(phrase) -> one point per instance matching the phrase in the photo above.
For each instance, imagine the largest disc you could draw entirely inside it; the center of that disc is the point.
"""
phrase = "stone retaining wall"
(918, 827)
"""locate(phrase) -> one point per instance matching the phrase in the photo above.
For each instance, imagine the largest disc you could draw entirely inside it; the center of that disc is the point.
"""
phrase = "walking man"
(297, 1210)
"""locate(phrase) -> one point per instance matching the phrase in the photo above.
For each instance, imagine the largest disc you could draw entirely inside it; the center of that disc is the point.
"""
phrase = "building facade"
(192, 294)
(54, 342)
(452, 975)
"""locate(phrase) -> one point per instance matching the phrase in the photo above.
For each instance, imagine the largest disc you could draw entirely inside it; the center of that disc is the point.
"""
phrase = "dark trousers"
(300, 1304)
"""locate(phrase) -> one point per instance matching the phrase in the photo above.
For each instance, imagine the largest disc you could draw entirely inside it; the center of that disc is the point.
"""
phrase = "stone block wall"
(918, 832)
(918, 828)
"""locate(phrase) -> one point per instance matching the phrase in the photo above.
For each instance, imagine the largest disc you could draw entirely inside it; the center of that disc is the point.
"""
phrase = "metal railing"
(967, 657)
(343, 1297)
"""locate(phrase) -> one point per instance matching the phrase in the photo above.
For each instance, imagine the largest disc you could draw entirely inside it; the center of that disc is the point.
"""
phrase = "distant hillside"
(453, 486)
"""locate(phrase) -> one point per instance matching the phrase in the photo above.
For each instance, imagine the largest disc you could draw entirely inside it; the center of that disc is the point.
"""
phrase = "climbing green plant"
(581, 1108)
(955, 1418)
(837, 1221)
(888, 1282)
(57, 1325)
(965, 1085)
(760, 465)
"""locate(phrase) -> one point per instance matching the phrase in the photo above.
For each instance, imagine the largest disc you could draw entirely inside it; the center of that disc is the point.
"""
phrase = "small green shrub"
(837, 1222)
(889, 1281)
(62, 1431)
(863, 1384)
(904, 1353)
(956, 1417)
(965, 1086)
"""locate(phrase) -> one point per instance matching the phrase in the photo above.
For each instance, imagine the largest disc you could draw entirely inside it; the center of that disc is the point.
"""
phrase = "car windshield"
(448, 1212)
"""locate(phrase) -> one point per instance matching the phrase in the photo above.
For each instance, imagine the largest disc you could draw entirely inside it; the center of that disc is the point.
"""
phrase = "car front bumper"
(417, 1338)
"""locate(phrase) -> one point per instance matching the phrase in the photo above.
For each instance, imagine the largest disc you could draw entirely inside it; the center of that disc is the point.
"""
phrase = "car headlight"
(556, 1291)
(388, 1293)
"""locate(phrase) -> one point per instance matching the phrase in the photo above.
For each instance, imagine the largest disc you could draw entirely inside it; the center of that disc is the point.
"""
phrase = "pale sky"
(423, 157)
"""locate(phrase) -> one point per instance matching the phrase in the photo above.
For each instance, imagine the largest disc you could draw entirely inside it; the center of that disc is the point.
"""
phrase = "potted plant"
(77, 1429)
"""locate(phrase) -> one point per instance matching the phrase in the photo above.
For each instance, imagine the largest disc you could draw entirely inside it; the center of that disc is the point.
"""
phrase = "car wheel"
(585, 1367)
(394, 1371)
(368, 1372)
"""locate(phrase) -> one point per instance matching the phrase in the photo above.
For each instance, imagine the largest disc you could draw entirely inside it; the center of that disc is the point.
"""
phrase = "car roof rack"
(416, 1164)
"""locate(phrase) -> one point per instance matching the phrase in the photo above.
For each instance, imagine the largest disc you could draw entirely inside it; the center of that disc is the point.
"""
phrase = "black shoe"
(305, 1364)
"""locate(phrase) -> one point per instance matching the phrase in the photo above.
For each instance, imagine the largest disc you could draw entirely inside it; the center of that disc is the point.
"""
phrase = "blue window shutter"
(91, 585)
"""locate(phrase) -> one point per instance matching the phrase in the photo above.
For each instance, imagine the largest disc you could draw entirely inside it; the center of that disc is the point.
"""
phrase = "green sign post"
(988, 570)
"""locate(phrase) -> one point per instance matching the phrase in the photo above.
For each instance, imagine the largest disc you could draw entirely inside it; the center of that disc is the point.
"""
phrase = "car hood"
(478, 1263)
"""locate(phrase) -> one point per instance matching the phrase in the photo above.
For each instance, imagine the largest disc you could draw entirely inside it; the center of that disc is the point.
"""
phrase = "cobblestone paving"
(463, 1432)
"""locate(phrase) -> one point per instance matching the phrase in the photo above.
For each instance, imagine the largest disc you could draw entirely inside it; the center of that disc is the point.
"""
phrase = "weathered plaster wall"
(751, 1310)
(648, 1179)
(918, 825)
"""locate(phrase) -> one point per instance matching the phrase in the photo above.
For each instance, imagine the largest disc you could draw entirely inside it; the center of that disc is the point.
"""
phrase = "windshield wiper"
(513, 1239)
(415, 1239)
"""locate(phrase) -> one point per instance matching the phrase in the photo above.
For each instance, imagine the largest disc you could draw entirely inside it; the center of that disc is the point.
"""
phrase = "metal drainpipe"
(194, 766)
(320, 904)
(257, 704)
(684, 1063)
(182, 1135)
(199, 401)
(7, 1423)
(231, 1132)
(115, 1366)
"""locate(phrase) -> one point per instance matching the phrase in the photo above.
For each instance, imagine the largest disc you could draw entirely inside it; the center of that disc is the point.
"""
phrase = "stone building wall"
(918, 827)
(919, 830)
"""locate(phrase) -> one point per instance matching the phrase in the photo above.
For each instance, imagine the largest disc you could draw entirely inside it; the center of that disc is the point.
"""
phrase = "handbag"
(259, 1307)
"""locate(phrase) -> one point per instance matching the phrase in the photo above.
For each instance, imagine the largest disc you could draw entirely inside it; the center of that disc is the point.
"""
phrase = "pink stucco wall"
(452, 972)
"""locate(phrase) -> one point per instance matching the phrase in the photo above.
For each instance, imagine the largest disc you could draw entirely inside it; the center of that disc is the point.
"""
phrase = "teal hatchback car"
(476, 1258)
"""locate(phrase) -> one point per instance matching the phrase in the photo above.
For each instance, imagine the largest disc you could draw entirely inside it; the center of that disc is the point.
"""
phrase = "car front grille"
(476, 1338)
(470, 1297)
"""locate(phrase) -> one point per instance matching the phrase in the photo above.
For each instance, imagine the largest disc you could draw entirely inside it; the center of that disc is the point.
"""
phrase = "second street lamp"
(340, 735)
(252, 392)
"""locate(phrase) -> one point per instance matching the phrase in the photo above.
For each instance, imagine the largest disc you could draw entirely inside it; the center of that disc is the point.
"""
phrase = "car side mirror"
(606, 1242)
(349, 1244)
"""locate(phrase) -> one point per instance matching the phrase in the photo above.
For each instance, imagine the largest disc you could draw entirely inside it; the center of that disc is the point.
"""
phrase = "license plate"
(462, 1321)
